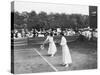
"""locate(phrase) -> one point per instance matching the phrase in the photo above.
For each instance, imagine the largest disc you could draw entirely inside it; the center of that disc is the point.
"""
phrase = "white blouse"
(63, 41)
(49, 39)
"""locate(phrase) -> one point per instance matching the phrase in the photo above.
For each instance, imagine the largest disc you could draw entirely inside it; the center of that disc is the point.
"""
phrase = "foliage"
(52, 20)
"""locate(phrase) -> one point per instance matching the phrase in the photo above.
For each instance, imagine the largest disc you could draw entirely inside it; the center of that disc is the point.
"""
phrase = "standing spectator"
(34, 32)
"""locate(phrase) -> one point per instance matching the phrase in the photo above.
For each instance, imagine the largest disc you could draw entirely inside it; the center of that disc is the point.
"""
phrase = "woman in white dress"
(52, 47)
(19, 35)
(65, 52)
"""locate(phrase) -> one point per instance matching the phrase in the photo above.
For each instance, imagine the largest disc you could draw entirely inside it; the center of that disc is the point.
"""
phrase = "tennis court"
(29, 58)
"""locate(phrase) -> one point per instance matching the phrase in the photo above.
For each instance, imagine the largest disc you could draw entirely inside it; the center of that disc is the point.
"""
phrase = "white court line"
(46, 61)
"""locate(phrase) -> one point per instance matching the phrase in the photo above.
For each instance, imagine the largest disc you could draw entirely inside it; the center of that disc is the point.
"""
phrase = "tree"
(18, 20)
(43, 19)
(32, 20)
(53, 20)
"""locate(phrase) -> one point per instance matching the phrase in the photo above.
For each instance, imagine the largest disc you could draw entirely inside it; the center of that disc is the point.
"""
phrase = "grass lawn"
(27, 60)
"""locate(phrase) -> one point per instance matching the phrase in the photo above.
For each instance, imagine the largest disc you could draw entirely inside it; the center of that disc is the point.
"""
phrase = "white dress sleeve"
(46, 39)
(63, 41)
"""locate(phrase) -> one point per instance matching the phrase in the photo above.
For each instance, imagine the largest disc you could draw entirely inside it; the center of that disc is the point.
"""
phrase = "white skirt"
(52, 48)
(66, 55)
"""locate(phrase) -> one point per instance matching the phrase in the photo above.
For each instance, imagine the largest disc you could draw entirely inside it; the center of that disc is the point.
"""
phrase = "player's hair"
(62, 33)
(51, 34)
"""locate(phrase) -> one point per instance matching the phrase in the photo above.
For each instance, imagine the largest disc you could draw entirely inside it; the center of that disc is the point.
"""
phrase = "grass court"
(29, 58)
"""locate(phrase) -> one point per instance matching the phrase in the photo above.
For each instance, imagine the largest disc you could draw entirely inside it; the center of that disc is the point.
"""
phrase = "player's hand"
(42, 47)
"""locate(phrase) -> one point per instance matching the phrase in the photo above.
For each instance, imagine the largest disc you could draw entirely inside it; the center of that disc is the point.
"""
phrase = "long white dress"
(65, 52)
(52, 47)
